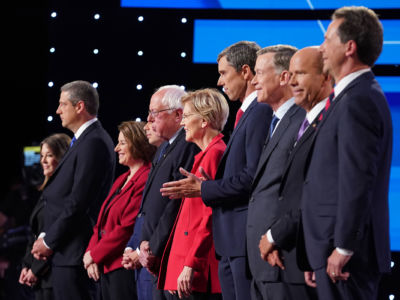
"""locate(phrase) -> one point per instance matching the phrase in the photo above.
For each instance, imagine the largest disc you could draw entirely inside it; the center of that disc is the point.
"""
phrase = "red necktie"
(238, 116)
(328, 103)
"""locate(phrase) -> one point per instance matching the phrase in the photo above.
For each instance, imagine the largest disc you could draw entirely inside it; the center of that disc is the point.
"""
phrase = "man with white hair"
(157, 214)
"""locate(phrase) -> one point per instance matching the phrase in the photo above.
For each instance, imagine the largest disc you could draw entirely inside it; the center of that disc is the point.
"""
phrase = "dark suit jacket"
(285, 229)
(345, 194)
(160, 212)
(75, 192)
(264, 200)
(116, 219)
(40, 268)
(228, 194)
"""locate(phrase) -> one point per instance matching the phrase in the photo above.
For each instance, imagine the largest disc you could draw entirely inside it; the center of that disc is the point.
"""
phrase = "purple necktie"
(303, 128)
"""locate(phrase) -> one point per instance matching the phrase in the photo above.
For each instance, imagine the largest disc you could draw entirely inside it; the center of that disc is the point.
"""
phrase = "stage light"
(138, 120)
(391, 297)
(53, 14)
(50, 84)
(183, 20)
(140, 53)
(392, 264)
(95, 85)
(96, 16)
(52, 50)
(182, 87)
(49, 118)
(140, 18)
(183, 54)
(95, 51)
(139, 87)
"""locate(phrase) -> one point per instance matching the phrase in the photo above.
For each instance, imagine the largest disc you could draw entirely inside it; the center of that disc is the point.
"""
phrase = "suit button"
(251, 199)
(280, 198)
(185, 233)
(305, 181)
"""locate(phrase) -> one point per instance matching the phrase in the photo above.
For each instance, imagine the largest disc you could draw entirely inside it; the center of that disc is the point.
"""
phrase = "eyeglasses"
(155, 113)
(185, 116)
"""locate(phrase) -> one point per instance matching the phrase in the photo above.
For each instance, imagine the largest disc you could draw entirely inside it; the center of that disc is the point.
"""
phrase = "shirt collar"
(314, 112)
(83, 127)
(345, 81)
(281, 111)
(248, 100)
(172, 139)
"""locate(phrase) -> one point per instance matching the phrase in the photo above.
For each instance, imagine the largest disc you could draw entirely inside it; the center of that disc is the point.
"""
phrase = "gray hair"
(283, 54)
(172, 96)
(240, 54)
(80, 90)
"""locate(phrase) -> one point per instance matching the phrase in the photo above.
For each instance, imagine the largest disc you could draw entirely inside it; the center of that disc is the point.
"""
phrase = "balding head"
(308, 82)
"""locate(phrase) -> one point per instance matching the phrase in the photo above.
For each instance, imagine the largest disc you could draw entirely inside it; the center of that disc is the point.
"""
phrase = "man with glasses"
(157, 214)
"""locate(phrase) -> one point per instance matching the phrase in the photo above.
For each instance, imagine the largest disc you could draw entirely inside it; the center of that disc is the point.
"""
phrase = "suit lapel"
(367, 75)
(274, 140)
(308, 134)
(158, 164)
(236, 129)
(74, 147)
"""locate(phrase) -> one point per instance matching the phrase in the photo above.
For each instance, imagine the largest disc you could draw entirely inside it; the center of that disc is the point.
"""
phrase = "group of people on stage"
(293, 206)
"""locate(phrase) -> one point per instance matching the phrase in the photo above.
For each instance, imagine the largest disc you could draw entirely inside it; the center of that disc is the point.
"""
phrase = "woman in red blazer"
(189, 267)
(118, 213)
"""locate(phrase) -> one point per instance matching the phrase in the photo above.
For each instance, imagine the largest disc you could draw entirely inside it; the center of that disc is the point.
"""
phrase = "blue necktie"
(163, 150)
(274, 121)
(72, 141)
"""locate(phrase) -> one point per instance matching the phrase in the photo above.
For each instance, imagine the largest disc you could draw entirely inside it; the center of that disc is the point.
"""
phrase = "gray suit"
(264, 200)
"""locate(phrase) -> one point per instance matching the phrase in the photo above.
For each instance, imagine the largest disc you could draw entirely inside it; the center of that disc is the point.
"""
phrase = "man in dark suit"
(228, 194)
(75, 192)
(157, 213)
(310, 87)
(345, 193)
(272, 84)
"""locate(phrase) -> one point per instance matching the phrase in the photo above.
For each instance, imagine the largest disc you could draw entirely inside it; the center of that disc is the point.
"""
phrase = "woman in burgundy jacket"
(189, 267)
(116, 219)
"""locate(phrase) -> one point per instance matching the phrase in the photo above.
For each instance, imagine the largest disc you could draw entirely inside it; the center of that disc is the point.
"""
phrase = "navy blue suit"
(157, 213)
(345, 193)
(228, 194)
(73, 197)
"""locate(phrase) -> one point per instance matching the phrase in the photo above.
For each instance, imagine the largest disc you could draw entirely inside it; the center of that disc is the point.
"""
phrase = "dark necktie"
(274, 121)
(163, 150)
(72, 142)
(239, 114)
(303, 128)
(328, 104)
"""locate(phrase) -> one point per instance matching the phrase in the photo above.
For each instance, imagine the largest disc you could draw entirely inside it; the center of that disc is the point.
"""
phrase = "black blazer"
(41, 268)
(75, 192)
(285, 229)
(228, 194)
(345, 193)
(264, 201)
(160, 212)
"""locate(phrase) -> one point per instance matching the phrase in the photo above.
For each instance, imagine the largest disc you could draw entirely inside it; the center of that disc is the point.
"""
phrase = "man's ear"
(351, 48)
(80, 106)
(246, 72)
(284, 77)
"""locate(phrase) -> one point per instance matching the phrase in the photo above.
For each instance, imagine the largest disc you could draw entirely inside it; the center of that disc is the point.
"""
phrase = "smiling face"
(124, 151)
(193, 123)
(47, 160)
(306, 77)
(232, 81)
(267, 80)
(333, 50)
